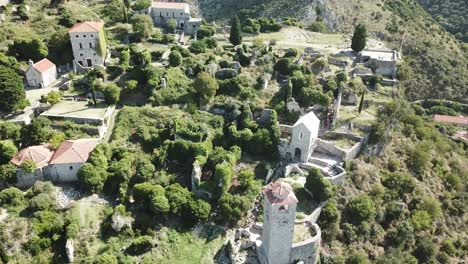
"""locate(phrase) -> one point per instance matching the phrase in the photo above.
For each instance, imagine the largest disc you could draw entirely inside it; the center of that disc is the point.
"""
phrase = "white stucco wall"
(37, 79)
(85, 51)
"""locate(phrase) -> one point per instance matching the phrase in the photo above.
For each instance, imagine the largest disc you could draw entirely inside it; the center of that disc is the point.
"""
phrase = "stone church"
(303, 137)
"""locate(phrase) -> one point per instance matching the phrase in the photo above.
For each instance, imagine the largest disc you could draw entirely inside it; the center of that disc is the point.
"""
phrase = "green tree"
(160, 204)
(116, 11)
(205, 32)
(425, 250)
(359, 40)
(111, 94)
(92, 178)
(329, 220)
(12, 94)
(7, 151)
(178, 197)
(142, 26)
(421, 220)
(8, 173)
(171, 25)
(198, 46)
(321, 189)
(125, 59)
(317, 26)
(206, 86)
(41, 202)
(37, 132)
(28, 166)
(175, 58)
(362, 208)
(52, 98)
(131, 85)
(11, 197)
(141, 4)
(235, 37)
(28, 49)
(199, 210)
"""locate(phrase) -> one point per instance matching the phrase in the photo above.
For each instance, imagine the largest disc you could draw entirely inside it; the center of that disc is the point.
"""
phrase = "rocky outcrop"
(69, 249)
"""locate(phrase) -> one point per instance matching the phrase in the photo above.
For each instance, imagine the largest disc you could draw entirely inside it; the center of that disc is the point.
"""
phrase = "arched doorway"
(297, 154)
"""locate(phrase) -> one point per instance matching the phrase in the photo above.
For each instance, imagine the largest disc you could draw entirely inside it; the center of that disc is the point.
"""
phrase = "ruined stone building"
(380, 61)
(162, 12)
(303, 136)
(89, 44)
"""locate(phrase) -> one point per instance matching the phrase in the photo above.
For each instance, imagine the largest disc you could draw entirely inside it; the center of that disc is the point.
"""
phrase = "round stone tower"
(279, 213)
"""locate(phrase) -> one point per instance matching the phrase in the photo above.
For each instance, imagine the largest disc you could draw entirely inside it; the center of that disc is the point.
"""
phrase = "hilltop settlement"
(143, 132)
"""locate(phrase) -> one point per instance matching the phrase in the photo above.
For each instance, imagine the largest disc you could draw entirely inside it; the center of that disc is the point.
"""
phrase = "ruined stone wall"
(307, 251)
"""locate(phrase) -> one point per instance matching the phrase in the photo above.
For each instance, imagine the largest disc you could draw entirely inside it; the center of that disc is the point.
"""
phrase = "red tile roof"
(460, 120)
(74, 151)
(87, 26)
(41, 155)
(169, 5)
(43, 65)
(280, 193)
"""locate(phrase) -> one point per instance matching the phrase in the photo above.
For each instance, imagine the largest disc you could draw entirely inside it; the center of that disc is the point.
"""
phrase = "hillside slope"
(435, 62)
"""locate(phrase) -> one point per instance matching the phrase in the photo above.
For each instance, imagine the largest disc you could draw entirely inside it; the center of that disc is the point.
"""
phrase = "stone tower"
(279, 213)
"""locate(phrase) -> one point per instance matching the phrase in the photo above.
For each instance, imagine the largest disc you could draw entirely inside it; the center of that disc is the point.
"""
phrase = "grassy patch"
(187, 246)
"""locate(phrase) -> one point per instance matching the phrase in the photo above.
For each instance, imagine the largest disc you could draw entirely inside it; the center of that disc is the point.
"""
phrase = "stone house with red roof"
(60, 165)
(40, 155)
(88, 43)
(41, 74)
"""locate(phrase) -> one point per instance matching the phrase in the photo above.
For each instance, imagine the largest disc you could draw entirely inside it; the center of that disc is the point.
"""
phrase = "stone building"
(380, 61)
(279, 226)
(279, 213)
(162, 12)
(41, 74)
(61, 165)
(69, 158)
(304, 134)
(40, 155)
(88, 44)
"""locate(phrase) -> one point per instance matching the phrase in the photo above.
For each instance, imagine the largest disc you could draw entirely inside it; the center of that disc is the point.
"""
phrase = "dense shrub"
(425, 250)
(41, 202)
(398, 183)
(421, 220)
(362, 208)
(198, 46)
(92, 178)
(7, 151)
(11, 197)
(317, 26)
(140, 245)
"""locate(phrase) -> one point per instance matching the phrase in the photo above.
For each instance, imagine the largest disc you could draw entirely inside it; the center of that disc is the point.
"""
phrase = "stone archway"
(297, 154)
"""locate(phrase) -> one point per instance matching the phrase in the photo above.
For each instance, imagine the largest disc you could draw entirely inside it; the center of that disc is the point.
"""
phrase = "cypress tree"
(359, 38)
(235, 38)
